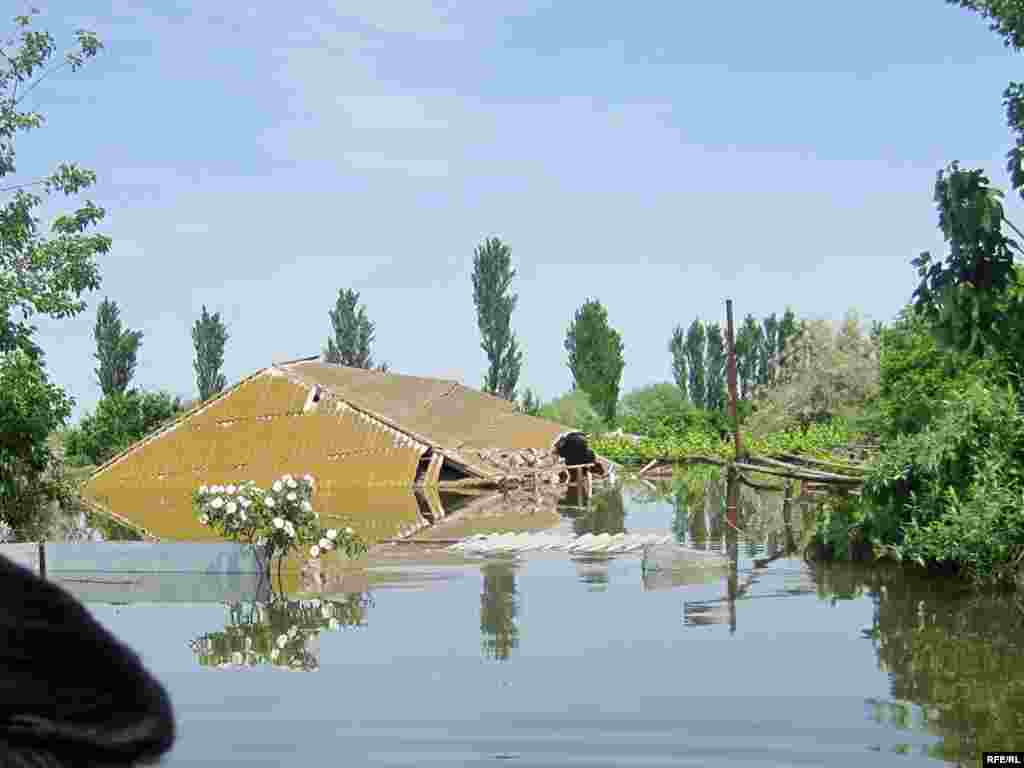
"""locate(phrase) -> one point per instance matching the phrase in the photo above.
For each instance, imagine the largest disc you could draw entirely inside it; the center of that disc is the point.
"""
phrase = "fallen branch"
(806, 474)
(852, 467)
(796, 475)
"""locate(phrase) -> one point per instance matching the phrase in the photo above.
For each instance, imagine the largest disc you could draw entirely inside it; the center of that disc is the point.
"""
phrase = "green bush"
(952, 493)
(30, 474)
(118, 421)
(659, 410)
(574, 410)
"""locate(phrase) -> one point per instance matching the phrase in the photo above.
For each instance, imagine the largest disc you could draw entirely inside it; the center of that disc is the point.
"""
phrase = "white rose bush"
(275, 521)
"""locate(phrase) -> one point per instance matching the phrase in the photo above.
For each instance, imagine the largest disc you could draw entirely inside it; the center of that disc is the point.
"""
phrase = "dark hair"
(70, 692)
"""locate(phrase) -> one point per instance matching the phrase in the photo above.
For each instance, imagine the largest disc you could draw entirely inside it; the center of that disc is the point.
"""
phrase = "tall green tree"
(352, 333)
(117, 349)
(769, 350)
(595, 357)
(788, 327)
(749, 353)
(695, 363)
(714, 368)
(209, 335)
(677, 348)
(40, 274)
(492, 278)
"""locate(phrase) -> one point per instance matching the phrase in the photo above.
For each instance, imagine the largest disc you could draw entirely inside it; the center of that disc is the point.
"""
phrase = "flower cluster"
(275, 520)
(278, 633)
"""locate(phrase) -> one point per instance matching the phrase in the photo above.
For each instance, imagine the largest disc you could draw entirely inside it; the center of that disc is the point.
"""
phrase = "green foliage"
(118, 422)
(714, 369)
(677, 349)
(750, 355)
(695, 350)
(30, 409)
(658, 410)
(788, 328)
(530, 403)
(967, 298)
(951, 492)
(116, 349)
(353, 333)
(492, 277)
(209, 334)
(916, 376)
(834, 373)
(275, 521)
(816, 441)
(595, 357)
(573, 409)
(769, 350)
(40, 274)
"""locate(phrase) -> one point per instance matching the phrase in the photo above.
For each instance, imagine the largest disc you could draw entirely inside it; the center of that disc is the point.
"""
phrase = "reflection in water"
(280, 632)
(954, 656)
(498, 609)
(606, 512)
(593, 571)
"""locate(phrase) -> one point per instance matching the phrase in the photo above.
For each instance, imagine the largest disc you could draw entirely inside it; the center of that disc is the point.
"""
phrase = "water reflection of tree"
(957, 655)
(605, 514)
(498, 609)
(280, 632)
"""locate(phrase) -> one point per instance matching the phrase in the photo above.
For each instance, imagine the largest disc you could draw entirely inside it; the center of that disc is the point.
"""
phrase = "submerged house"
(367, 438)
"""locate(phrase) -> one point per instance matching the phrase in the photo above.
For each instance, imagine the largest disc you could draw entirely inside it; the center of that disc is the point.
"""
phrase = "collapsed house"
(367, 438)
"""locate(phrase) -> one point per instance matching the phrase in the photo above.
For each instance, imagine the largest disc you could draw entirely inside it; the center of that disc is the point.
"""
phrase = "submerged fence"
(138, 571)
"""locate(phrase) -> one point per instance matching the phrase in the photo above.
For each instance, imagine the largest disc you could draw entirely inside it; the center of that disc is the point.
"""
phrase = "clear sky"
(658, 156)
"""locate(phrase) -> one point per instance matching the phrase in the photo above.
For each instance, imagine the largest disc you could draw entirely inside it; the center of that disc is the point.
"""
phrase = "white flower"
(289, 529)
(314, 551)
(204, 519)
(291, 496)
(329, 546)
(349, 531)
(282, 641)
(231, 490)
(332, 534)
(243, 516)
(232, 507)
(217, 503)
(244, 502)
(268, 501)
(217, 489)
(307, 507)
(292, 484)
(274, 653)
(324, 544)
(292, 631)
(203, 490)
(277, 486)
(278, 523)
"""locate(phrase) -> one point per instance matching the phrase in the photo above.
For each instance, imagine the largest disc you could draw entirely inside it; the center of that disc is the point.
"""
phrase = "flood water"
(548, 659)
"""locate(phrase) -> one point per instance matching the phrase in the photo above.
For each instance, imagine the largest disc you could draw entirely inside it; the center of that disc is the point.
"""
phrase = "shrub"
(574, 410)
(118, 421)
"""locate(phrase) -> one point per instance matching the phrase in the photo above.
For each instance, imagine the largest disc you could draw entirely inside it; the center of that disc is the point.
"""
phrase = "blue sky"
(659, 156)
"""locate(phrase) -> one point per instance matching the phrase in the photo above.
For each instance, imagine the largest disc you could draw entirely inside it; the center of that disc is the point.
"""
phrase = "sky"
(661, 157)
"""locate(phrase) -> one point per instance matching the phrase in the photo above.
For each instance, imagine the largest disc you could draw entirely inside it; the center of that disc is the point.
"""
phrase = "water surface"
(550, 660)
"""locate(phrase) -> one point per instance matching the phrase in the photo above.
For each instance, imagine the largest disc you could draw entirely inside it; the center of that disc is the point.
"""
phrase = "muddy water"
(550, 660)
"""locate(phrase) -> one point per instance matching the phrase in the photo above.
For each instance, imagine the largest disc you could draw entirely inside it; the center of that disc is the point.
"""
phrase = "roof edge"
(159, 431)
